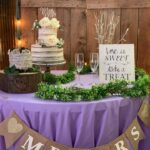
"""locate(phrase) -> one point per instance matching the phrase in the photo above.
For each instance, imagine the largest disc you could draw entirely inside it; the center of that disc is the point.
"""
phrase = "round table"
(74, 124)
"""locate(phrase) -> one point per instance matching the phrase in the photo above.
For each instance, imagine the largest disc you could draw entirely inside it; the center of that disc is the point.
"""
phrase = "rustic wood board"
(99, 4)
(7, 30)
(67, 34)
(129, 18)
(78, 33)
(54, 3)
(64, 16)
(144, 40)
(92, 43)
(29, 15)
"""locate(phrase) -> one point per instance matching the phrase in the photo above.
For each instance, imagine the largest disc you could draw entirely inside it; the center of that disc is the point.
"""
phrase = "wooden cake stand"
(21, 83)
(48, 65)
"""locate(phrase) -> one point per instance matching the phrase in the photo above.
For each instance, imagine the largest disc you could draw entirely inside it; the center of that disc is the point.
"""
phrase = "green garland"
(51, 78)
(14, 71)
(139, 88)
(65, 78)
(60, 79)
(86, 69)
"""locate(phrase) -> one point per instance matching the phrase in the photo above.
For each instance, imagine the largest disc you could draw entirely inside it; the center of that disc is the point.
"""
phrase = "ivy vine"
(66, 77)
(14, 71)
(139, 88)
(60, 79)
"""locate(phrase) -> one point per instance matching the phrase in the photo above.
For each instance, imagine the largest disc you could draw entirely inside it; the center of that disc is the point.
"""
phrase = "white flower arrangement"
(52, 41)
(46, 22)
(60, 44)
(54, 23)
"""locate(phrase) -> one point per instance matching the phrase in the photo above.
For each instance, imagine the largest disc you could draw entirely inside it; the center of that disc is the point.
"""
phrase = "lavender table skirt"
(83, 124)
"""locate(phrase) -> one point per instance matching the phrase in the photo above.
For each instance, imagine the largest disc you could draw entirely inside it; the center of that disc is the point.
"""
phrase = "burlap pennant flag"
(78, 149)
(96, 148)
(51, 145)
(32, 141)
(144, 113)
(105, 147)
(12, 128)
(120, 143)
(55, 146)
(134, 134)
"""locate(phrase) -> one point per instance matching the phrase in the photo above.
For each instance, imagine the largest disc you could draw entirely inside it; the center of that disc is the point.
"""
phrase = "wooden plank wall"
(78, 22)
(7, 29)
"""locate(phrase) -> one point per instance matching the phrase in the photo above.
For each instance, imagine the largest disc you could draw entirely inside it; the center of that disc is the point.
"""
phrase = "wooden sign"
(116, 62)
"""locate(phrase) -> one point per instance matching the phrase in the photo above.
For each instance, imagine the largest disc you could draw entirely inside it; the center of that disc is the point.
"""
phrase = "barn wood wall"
(78, 30)
(7, 29)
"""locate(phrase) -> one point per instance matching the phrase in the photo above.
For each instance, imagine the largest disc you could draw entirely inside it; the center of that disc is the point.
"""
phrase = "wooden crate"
(22, 83)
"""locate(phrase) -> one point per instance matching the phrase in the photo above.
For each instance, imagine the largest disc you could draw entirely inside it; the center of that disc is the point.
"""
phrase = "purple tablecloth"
(82, 124)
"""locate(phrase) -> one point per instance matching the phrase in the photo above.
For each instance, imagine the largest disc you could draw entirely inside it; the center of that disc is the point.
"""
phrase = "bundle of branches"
(106, 26)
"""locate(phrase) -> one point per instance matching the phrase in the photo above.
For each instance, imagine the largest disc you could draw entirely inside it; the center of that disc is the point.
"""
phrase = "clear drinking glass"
(79, 62)
(94, 62)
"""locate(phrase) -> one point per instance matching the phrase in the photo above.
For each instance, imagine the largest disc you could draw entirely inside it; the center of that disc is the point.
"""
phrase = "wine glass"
(79, 62)
(94, 61)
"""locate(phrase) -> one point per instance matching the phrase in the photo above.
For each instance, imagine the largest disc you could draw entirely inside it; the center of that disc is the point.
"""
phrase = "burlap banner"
(13, 129)
(135, 134)
(144, 113)
(120, 143)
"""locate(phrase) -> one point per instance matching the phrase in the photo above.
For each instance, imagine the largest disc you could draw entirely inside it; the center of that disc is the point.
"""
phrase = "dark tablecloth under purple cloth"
(81, 124)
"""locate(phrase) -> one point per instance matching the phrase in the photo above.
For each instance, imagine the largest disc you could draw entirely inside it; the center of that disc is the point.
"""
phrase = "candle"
(85, 64)
(18, 28)
(19, 43)
(18, 23)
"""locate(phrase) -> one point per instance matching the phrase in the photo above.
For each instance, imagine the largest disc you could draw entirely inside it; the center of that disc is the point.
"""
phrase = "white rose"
(53, 40)
(45, 22)
(54, 23)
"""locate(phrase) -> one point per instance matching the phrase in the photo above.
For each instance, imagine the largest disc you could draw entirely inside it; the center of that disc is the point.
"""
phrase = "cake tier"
(47, 55)
(22, 60)
(47, 31)
(48, 40)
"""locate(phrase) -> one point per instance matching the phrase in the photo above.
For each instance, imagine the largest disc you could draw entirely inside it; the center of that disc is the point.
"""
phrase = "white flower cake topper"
(46, 12)
(49, 19)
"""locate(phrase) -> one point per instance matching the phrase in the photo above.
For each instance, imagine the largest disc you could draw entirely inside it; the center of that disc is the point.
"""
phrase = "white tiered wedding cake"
(49, 49)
